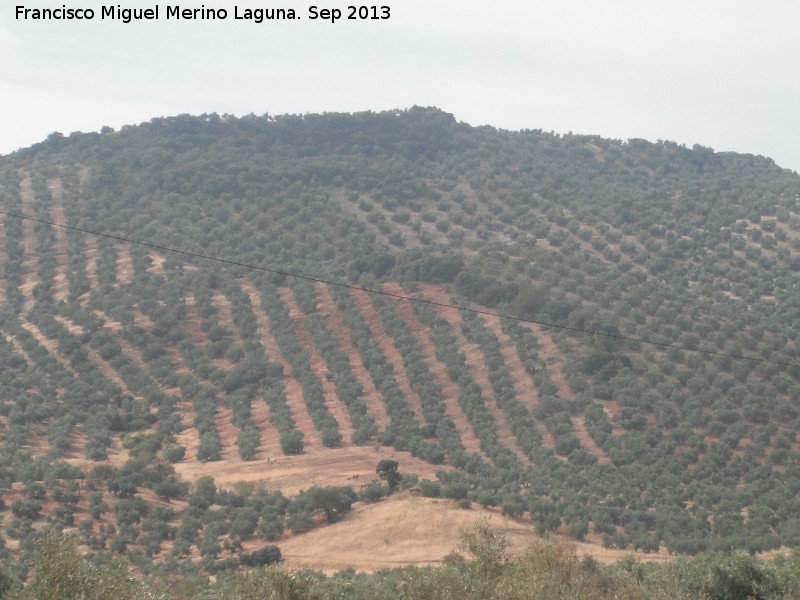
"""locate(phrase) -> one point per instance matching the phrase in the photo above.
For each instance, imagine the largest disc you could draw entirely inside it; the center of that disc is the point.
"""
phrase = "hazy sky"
(724, 74)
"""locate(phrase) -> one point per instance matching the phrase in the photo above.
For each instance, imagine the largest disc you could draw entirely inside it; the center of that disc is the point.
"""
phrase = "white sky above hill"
(724, 74)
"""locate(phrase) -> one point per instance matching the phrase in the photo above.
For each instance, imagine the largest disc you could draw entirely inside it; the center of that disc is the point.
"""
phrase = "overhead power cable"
(477, 311)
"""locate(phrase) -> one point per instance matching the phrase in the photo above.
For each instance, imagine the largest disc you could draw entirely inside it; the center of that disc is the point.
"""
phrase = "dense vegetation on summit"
(124, 363)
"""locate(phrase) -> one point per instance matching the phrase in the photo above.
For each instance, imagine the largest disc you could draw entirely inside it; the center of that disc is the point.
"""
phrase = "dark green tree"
(387, 470)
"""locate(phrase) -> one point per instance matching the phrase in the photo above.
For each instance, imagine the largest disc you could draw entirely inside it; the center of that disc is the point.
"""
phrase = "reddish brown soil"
(142, 320)
(105, 368)
(550, 355)
(476, 366)
(18, 349)
(269, 435)
(28, 266)
(191, 323)
(372, 397)
(77, 450)
(612, 410)
(225, 314)
(37, 442)
(332, 402)
(588, 443)
(525, 388)
(124, 263)
(91, 253)
(259, 410)
(312, 441)
(2, 260)
(438, 371)
(117, 455)
(225, 319)
(50, 345)
(189, 438)
(176, 360)
(611, 407)
(130, 351)
(373, 321)
(60, 247)
(227, 432)
(157, 265)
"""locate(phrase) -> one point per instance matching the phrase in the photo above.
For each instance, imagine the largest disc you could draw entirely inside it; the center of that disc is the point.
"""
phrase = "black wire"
(402, 297)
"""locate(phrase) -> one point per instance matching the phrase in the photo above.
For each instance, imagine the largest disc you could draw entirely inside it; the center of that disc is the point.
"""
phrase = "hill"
(647, 400)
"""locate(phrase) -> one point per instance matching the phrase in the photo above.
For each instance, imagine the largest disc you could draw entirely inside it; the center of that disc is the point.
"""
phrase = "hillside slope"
(619, 408)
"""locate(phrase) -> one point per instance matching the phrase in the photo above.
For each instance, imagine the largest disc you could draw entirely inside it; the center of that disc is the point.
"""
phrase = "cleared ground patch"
(405, 530)
(353, 466)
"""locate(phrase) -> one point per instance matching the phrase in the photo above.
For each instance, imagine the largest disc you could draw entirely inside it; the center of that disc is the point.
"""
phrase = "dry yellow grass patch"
(405, 530)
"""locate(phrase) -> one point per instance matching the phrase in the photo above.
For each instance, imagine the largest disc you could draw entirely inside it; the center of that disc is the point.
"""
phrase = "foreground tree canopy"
(547, 570)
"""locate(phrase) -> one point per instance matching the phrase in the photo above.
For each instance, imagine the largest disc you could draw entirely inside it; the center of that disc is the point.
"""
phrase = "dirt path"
(438, 371)
(312, 440)
(373, 321)
(550, 355)
(372, 397)
(524, 386)
(476, 366)
(333, 403)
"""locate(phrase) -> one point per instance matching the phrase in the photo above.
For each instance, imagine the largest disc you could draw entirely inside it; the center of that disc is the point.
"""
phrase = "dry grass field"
(407, 529)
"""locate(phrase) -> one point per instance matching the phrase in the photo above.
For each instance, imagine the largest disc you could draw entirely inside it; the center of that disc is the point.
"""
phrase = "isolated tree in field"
(387, 470)
(205, 493)
(261, 557)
